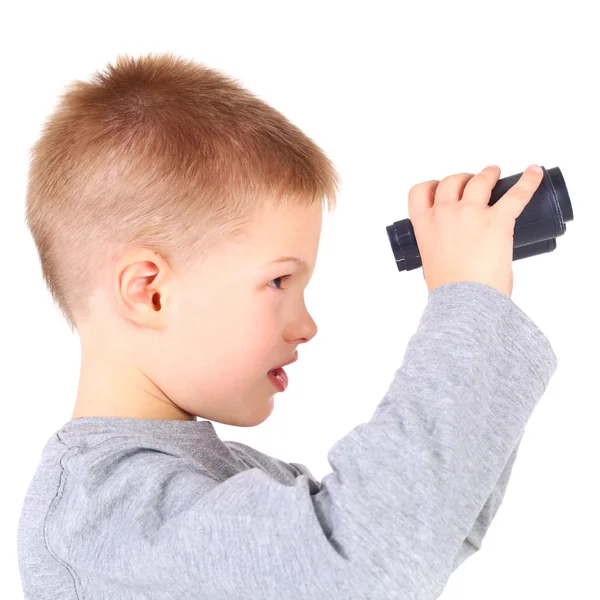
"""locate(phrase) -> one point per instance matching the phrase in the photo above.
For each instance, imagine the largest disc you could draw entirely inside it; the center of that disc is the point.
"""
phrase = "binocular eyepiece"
(536, 228)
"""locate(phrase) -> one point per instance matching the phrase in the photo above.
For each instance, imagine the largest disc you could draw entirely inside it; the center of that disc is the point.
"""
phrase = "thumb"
(519, 195)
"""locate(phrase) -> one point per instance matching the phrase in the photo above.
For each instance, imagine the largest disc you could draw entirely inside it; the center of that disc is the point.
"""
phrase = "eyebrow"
(289, 259)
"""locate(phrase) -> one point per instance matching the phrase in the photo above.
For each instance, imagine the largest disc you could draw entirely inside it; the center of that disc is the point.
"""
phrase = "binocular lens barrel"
(536, 228)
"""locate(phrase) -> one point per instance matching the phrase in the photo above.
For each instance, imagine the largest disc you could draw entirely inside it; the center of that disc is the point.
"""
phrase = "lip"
(287, 363)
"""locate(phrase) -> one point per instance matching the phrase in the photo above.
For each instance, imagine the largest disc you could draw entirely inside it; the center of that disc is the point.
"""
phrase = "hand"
(461, 237)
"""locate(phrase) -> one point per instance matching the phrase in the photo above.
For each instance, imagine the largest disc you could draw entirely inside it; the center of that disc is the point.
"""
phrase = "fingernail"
(536, 169)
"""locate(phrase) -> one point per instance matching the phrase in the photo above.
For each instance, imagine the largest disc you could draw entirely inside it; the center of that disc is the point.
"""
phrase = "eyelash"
(282, 278)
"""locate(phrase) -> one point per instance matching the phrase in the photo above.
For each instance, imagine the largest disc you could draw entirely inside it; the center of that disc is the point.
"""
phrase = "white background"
(395, 93)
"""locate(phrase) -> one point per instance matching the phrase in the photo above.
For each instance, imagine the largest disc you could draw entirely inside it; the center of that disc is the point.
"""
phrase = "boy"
(163, 199)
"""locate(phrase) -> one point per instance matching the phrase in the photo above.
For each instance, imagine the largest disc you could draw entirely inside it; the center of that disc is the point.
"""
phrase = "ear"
(143, 286)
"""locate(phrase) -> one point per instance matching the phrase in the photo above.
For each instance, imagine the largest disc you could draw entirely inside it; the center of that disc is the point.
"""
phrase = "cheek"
(261, 326)
(241, 332)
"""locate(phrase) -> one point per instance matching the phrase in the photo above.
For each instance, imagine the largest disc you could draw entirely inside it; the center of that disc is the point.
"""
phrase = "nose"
(305, 329)
(311, 328)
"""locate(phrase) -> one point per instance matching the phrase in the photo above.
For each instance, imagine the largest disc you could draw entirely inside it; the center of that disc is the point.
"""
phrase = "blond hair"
(160, 152)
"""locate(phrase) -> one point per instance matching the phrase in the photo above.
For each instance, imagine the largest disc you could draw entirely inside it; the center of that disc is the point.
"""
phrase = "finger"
(479, 189)
(420, 198)
(520, 194)
(451, 188)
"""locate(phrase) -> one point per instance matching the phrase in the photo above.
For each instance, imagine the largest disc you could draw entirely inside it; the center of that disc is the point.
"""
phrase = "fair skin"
(160, 346)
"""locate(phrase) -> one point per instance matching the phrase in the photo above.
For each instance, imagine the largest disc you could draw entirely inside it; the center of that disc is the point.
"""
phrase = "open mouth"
(279, 379)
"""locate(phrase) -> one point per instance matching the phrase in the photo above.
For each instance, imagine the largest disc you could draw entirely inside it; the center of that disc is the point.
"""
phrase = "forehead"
(286, 233)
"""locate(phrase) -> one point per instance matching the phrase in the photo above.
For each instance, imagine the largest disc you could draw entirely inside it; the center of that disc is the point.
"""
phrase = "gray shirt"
(163, 509)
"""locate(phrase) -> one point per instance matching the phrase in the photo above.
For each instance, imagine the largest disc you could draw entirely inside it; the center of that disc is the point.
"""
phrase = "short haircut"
(160, 152)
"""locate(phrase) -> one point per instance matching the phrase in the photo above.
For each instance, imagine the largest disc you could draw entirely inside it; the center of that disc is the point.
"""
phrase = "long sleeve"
(442, 437)
(470, 545)
(484, 519)
(410, 494)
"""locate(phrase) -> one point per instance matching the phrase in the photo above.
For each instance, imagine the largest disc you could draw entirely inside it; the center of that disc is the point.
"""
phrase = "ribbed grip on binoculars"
(536, 228)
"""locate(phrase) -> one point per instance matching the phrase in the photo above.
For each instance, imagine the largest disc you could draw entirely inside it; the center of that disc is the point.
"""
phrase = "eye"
(281, 278)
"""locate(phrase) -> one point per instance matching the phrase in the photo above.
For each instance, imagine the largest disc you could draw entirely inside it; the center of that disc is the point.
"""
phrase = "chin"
(254, 415)
(257, 417)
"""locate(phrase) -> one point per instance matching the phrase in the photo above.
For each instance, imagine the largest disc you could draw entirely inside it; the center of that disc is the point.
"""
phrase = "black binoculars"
(536, 228)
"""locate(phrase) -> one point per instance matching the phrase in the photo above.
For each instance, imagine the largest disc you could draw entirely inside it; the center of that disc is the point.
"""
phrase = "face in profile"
(238, 316)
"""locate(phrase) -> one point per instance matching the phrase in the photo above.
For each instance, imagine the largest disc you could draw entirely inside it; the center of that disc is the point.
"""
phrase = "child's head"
(157, 194)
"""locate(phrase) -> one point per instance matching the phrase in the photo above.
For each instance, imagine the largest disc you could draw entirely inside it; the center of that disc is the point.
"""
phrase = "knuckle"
(414, 190)
(457, 177)
(488, 173)
(469, 209)
(522, 192)
(419, 189)
(483, 175)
